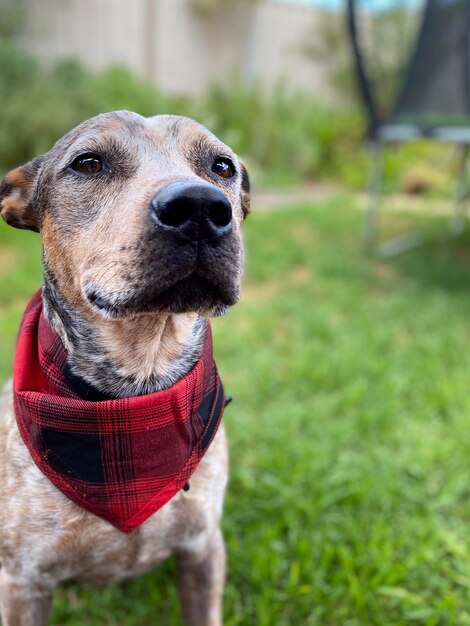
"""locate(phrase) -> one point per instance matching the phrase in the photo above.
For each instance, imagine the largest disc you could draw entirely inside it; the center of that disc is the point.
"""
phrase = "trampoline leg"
(457, 223)
(374, 189)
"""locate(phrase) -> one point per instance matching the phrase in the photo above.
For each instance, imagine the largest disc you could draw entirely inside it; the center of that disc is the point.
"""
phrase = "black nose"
(195, 210)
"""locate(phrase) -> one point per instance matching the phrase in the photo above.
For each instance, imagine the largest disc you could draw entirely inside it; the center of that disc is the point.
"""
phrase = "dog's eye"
(88, 164)
(223, 168)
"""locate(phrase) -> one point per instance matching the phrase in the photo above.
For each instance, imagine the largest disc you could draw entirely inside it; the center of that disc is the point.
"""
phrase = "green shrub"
(284, 137)
(287, 136)
(40, 105)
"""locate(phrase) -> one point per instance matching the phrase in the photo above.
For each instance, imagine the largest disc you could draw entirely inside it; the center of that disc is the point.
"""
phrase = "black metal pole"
(361, 75)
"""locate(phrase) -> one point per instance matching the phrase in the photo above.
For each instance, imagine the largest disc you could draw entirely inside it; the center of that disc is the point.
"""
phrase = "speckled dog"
(140, 221)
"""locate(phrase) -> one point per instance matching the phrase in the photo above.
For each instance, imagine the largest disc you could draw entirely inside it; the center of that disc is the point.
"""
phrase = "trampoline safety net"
(436, 90)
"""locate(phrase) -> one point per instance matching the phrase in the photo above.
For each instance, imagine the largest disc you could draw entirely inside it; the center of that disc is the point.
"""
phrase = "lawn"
(349, 498)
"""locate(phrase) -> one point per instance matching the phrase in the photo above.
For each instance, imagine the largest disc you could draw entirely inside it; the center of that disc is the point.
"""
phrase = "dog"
(140, 221)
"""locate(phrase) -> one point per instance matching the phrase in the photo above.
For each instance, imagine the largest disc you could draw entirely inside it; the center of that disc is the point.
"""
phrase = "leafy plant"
(385, 37)
(11, 18)
(284, 137)
(206, 7)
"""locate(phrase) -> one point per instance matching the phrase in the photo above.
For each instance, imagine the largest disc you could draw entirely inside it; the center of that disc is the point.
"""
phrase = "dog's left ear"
(17, 195)
(245, 193)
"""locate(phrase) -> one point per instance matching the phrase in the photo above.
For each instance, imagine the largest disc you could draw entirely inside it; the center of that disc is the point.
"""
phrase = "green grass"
(349, 498)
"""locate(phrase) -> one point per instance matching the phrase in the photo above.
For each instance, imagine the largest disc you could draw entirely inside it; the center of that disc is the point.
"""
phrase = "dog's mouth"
(191, 294)
(163, 277)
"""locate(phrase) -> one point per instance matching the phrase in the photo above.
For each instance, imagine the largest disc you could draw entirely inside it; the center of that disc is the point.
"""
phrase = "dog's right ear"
(17, 193)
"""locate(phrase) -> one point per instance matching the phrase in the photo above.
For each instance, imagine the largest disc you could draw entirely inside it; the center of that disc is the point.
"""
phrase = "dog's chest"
(42, 532)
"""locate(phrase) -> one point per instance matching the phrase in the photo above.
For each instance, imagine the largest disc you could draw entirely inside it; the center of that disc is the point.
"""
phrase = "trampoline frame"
(380, 133)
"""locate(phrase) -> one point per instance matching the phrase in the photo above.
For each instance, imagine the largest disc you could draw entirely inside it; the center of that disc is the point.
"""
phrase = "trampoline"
(432, 102)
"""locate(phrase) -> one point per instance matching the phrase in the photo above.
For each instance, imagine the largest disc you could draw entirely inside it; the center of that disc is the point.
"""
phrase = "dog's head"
(136, 214)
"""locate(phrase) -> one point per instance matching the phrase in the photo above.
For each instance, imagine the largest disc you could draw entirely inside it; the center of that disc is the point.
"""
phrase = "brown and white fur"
(130, 300)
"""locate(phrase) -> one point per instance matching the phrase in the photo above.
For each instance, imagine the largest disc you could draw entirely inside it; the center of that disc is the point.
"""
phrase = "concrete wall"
(177, 48)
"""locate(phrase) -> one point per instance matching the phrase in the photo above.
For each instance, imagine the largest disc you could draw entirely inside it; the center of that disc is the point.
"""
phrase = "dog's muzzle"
(195, 211)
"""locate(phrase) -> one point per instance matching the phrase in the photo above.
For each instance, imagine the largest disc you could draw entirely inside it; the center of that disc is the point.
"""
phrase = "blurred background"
(349, 498)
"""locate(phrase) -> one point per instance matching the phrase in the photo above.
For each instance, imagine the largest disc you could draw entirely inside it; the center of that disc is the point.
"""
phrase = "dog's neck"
(125, 357)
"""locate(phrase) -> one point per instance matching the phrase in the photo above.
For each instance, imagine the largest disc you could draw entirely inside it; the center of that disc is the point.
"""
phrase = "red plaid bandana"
(120, 459)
